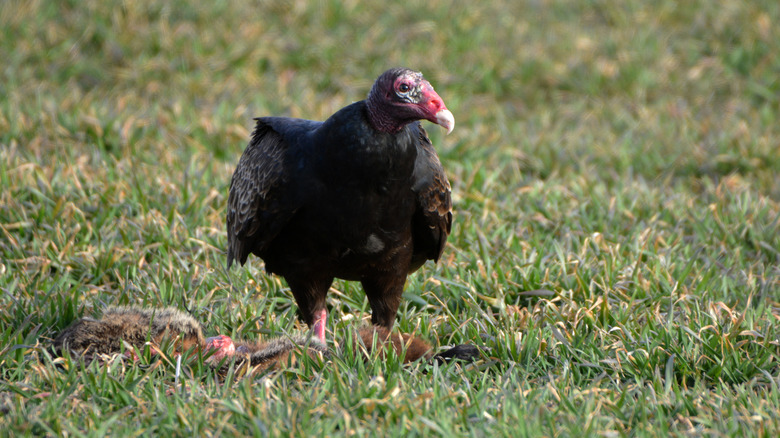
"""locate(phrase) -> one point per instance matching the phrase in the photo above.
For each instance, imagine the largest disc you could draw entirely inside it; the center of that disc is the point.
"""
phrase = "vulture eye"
(403, 88)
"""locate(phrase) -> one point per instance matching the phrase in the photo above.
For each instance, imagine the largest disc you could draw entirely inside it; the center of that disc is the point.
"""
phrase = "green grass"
(616, 241)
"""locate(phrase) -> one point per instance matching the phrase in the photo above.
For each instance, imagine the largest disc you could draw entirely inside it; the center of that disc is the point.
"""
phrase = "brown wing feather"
(433, 220)
(257, 205)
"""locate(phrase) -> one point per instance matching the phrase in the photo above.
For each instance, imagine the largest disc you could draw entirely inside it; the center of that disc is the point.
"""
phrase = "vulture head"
(401, 96)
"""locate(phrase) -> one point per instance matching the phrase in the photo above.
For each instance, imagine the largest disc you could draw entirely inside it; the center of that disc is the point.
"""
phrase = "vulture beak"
(435, 109)
(445, 120)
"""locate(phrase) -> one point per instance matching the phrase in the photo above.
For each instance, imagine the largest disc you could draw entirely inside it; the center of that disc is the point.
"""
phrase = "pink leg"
(223, 345)
(320, 319)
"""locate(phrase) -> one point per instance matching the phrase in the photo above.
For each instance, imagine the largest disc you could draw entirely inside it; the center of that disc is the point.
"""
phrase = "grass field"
(616, 184)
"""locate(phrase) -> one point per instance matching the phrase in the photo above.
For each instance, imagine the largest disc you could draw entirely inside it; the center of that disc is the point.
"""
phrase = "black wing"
(259, 204)
(433, 219)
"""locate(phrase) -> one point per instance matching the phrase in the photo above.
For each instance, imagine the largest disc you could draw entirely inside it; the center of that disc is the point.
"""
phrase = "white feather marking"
(374, 244)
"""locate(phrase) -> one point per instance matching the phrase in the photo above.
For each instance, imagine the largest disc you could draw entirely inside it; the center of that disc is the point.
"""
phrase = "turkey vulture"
(361, 196)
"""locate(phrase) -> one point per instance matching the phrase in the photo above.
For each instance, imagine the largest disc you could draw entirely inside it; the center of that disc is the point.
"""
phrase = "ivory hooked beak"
(445, 119)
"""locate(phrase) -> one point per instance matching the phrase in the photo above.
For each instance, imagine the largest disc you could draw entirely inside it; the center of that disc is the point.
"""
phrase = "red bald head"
(401, 96)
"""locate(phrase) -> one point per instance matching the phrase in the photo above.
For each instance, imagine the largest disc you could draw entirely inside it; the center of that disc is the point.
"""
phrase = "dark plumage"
(361, 196)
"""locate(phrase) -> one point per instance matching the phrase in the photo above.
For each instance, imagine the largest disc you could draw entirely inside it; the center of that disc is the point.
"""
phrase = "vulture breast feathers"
(273, 177)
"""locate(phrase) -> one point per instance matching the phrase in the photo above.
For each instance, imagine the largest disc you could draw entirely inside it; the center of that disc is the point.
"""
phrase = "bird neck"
(379, 116)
